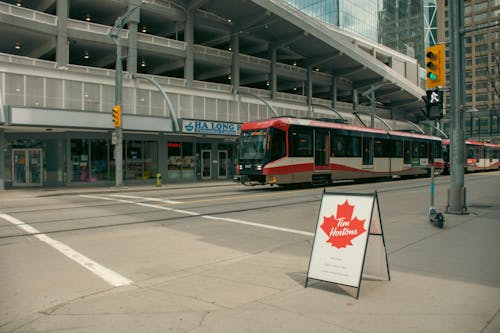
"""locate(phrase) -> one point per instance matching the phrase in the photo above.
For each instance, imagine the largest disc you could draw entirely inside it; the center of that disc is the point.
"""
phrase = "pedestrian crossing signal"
(434, 104)
(117, 116)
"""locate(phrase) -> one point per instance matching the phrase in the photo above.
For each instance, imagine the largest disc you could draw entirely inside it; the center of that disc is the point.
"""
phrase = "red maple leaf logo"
(343, 228)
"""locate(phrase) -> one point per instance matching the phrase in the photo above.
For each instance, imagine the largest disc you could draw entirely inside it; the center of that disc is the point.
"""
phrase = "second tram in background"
(479, 156)
(287, 150)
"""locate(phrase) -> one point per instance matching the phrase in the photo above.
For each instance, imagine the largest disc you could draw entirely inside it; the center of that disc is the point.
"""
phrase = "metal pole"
(116, 34)
(456, 191)
(118, 101)
(432, 186)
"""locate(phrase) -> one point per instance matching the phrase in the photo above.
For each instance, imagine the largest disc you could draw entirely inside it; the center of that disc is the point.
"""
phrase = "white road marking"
(104, 273)
(147, 199)
(259, 225)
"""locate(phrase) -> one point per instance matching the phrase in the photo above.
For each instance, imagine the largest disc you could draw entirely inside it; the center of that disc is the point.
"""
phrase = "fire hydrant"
(158, 180)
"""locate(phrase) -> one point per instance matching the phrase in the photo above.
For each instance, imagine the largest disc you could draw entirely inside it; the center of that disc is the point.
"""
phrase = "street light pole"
(457, 191)
(116, 34)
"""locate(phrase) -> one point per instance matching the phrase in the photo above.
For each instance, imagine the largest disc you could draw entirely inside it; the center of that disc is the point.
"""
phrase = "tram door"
(222, 174)
(321, 139)
(368, 152)
(206, 164)
(27, 167)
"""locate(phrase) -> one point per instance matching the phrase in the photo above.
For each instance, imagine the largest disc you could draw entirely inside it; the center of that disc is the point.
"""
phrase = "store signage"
(349, 241)
(210, 127)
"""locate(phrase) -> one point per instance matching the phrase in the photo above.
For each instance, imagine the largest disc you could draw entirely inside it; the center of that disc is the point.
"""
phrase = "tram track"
(185, 205)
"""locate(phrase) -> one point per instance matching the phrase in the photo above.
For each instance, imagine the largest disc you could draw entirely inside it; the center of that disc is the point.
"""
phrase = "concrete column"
(235, 65)
(309, 85)
(355, 99)
(273, 77)
(2, 159)
(333, 93)
(132, 24)
(189, 39)
(62, 46)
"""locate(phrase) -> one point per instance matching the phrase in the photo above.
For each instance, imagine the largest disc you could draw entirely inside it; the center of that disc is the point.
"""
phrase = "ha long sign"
(210, 127)
(349, 241)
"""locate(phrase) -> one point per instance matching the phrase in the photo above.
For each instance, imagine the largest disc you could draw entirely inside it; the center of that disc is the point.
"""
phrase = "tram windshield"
(252, 145)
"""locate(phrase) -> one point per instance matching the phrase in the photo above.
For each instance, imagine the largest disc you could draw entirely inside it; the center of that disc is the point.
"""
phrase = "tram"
(479, 156)
(286, 150)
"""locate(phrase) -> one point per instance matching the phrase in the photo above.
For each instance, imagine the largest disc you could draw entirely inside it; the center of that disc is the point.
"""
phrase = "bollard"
(158, 180)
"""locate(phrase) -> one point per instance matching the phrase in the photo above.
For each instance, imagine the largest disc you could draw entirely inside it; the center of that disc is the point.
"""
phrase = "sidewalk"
(212, 280)
(70, 190)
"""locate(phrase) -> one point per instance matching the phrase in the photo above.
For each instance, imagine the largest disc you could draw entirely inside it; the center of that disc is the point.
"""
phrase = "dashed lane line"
(209, 217)
(147, 199)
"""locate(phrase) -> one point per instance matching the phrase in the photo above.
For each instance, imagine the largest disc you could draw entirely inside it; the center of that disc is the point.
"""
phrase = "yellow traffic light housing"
(117, 116)
(435, 66)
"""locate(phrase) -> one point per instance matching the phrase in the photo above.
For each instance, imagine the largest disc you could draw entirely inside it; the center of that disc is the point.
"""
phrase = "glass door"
(222, 164)
(206, 161)
(27, 167)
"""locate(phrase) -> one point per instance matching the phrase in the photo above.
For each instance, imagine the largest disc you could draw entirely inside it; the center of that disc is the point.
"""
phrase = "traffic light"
(117, 116)
(435, 65)
(434, 104)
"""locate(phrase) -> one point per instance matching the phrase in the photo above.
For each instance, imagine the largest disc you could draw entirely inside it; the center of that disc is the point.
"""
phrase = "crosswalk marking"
(104, 273)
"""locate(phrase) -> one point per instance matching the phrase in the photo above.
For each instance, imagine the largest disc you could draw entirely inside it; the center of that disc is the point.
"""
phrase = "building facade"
(193, 72)
(481, 67)
(394, 23)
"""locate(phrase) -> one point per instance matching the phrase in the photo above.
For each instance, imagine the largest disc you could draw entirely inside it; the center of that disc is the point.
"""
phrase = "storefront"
(71, 158)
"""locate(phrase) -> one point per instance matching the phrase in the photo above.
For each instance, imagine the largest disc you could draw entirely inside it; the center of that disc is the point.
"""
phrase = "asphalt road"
(228, 258)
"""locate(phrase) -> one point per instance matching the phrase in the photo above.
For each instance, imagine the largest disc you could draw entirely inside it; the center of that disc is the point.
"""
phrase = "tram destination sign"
(210, 127)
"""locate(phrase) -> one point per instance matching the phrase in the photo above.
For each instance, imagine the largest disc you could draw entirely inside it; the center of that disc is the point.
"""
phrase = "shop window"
(80, 160)
(133, 158)
(99, 161)
(141, 159)
(181, 160)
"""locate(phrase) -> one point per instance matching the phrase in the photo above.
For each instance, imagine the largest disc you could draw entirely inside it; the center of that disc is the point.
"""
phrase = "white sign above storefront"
(210, 127)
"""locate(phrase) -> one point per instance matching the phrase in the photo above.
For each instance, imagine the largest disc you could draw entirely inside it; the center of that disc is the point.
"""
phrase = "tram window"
(421, 150)
(355, 146)
(446, 153)
(382, 148)
(470, 154)
(278, 144)
(407, 152)
(339, 146)
(368, 151)
(396, 148)
(346, 146)
(438, 152)
(301, 143)
(252, 145)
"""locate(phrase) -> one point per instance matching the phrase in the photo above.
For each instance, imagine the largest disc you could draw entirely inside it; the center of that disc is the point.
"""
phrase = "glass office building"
(353, 15)
(398, 24)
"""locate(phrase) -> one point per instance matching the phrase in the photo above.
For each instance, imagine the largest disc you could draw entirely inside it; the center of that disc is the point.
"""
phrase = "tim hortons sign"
(349, 241)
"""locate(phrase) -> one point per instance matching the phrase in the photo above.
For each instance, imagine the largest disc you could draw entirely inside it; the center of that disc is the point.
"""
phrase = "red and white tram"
(479, 156)
(289, 150)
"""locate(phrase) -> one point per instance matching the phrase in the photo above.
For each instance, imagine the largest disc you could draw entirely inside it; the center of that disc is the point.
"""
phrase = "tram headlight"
(258, 167)
(240, 166)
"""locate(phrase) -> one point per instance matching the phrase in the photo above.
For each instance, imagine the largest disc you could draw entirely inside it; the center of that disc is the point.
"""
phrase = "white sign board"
(348, 225)
(210, 127)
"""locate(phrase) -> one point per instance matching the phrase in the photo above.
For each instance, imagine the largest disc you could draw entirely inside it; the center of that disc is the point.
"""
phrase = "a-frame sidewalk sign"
(349, 241)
